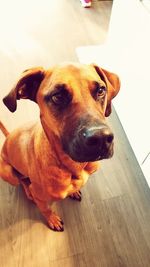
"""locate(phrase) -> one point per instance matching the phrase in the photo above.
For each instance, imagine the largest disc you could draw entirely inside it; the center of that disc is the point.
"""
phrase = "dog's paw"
(55, 223)
(76, 196)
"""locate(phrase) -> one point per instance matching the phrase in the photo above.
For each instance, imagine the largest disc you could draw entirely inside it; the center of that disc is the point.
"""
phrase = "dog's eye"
(61, 98)
(57, 98)
(100, 91)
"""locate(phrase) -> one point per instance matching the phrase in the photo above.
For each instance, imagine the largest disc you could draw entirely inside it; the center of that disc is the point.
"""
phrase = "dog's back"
(16, 145)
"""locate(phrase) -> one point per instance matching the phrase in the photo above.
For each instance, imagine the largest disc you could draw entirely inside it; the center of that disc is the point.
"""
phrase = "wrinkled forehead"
(74, 73)
(76, 77)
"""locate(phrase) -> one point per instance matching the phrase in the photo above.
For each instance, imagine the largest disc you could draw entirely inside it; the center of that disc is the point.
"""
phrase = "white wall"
(127, 52)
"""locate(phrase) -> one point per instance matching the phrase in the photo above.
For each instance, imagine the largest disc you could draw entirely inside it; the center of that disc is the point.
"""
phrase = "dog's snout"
(91, 143)
(97, 137)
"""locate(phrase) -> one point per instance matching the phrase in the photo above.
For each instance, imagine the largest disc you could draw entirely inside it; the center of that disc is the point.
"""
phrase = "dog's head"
(74, 100)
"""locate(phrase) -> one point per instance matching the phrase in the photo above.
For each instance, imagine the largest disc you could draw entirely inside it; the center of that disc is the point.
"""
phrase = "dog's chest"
(56, 174)
(58, 183)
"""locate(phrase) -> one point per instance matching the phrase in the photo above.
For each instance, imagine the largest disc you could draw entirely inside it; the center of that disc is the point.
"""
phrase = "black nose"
(97, 136)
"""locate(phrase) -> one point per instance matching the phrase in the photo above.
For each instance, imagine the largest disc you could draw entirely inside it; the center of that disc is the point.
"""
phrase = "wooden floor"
(111, 226)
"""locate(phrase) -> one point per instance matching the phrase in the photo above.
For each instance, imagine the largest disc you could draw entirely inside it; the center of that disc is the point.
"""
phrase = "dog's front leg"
(53, 220)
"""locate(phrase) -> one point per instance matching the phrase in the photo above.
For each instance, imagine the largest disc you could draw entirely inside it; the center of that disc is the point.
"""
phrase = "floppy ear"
(113, 85)
(25, 88)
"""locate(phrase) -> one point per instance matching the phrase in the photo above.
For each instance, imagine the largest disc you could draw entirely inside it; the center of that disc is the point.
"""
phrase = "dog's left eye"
(100, 91)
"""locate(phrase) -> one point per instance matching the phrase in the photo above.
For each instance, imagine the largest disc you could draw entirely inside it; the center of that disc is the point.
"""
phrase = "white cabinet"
(129, 41)
(146, 168)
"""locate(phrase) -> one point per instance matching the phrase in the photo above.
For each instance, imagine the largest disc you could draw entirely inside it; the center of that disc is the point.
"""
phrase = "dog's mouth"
(92, 158)
(79, 154)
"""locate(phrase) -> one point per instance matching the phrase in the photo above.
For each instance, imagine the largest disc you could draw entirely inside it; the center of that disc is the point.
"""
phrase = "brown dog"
(53, 159)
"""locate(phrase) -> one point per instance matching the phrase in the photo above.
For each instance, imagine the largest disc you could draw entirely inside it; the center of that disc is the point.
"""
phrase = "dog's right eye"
(60, 97)
(57, 98)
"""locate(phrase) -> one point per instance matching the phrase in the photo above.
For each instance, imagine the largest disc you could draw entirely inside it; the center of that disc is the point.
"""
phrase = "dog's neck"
(65, 161)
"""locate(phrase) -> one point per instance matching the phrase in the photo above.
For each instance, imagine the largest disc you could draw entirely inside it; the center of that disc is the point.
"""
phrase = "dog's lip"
(78, 154)
(92, 158)
(97, 155)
